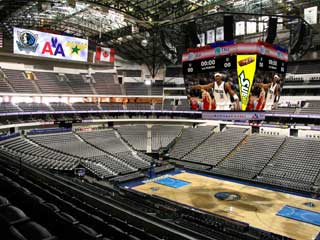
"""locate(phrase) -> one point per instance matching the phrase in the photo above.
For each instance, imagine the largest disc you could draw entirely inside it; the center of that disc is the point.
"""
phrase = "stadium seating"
(19, 83)
(188, 140)
(38, 156)
(34, 107)
(284, 110)
(296, 161)
(9, 107)
(215, 148)
(111, 106)
(250, 157)
(85, 106)
(56, 106)
(167, 104)
(108, 141)
(311, 107)
(136, 89)
(79, 86)
(183, 105)
(104, 84)
(59, 213)
(138, 106)
(49, 83)
(135, 136)
(163, 135)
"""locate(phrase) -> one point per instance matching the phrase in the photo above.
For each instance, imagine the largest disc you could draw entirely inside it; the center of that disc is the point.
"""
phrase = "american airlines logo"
(244, 84)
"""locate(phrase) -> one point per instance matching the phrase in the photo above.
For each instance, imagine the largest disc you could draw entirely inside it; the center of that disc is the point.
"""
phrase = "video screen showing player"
(219, 90)
(265, 93)
(213, 91)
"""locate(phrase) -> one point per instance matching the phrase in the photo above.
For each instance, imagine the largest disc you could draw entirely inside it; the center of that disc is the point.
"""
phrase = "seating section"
(311, 107)
(167, 104)
(287, 162)
(189, 139)
(9, 107)
(135, 136)
(69, 143)
(105, 84)
(108, 141)
(49, 83)
(183, 105)
(19, 83)
(304, 67)
(297, 161)
(14, 222)
(38, 156)
(56, 106)
(215, 148)
(250, 157)
(85, 106)
(157, 90)
(4, 85)
(34, 107)
(283, 110)
(138, 106)
(135, 89)
(78, 84)
(62, 216)
(111, 106)
(163, 135)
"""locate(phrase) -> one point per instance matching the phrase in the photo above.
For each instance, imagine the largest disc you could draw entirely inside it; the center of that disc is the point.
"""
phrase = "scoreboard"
(224, 63)
(210, 64)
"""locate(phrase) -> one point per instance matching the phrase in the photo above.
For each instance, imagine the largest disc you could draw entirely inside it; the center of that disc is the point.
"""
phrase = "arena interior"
(159, 119)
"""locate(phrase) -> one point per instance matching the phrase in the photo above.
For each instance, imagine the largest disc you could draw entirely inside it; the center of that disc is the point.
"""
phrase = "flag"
(1, 39)
(105, 54)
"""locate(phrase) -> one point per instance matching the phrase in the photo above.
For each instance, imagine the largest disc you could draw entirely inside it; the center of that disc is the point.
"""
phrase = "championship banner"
(41, 44)
(246, 67)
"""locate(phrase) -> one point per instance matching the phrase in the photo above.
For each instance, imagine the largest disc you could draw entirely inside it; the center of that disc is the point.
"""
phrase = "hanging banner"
(311, 15)
(246, 68)
(41, 44)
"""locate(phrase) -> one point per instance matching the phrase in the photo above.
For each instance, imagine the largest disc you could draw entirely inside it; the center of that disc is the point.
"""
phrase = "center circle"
(227, 196)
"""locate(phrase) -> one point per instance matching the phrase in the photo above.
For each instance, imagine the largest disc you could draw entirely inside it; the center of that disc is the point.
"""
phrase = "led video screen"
(230, 80)
(41, 44)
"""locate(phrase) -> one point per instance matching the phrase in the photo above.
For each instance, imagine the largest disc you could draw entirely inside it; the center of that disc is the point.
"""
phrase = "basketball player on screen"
(221, 91)
(272, 93)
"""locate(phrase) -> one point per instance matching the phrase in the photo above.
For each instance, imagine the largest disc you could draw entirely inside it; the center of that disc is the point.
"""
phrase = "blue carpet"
(171, 182)
(301, 215)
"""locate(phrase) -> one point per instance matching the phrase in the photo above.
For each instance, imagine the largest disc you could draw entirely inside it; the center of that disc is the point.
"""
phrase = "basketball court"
(281, 213)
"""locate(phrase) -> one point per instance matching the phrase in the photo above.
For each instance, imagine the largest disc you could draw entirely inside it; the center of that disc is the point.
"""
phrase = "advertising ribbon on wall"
(246, 67)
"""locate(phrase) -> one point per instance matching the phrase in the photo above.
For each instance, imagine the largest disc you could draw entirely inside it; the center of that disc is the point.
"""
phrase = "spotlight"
(147, 82)
(144, 43)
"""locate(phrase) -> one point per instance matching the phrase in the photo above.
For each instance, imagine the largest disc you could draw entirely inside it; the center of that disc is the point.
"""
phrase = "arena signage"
(210, 64)
(41, 44)
(246, 68)
(239, 48)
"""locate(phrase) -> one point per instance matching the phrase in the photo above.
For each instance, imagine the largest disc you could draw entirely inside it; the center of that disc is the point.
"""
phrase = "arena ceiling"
(123, 24)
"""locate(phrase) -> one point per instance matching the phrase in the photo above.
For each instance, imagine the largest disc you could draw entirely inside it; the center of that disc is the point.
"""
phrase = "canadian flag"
(105, 54)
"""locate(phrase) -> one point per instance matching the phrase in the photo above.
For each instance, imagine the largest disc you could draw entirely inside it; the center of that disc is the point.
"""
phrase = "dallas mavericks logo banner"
(246, 68)
(41, 44)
